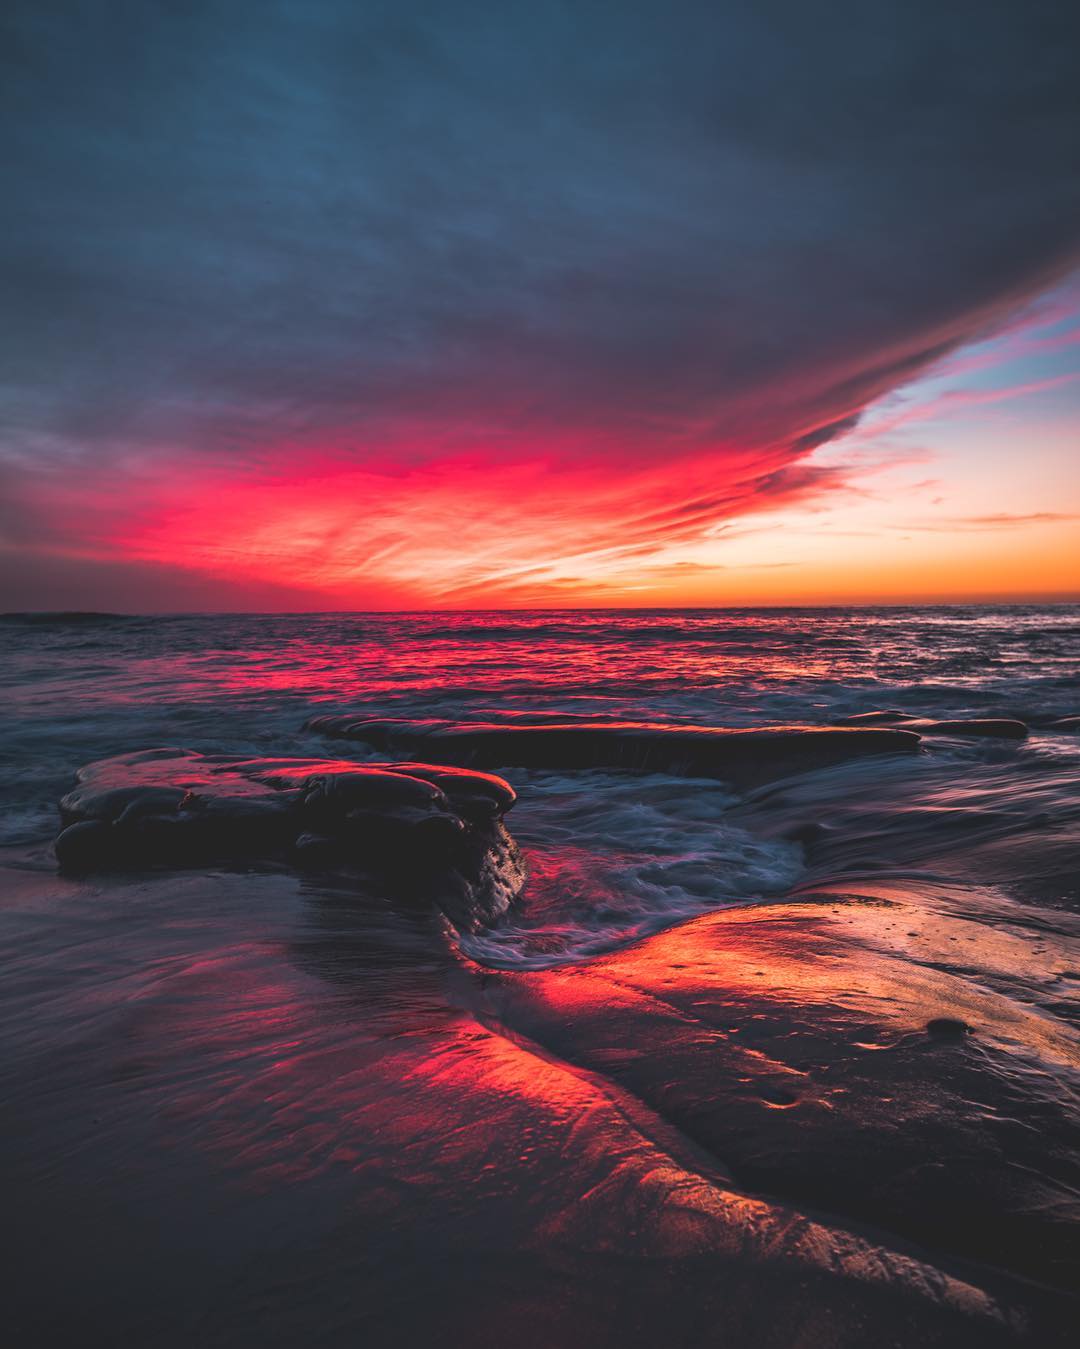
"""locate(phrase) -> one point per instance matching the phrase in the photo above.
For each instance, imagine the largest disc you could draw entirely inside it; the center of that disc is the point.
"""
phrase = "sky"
(311, 304)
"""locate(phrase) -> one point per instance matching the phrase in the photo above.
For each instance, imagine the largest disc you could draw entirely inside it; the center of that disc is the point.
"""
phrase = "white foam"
(613, 856)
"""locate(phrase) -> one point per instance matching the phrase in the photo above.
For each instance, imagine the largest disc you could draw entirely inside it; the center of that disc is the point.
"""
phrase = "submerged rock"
(704, 751)
(1006, 728)
(883, 717)
(419, 823)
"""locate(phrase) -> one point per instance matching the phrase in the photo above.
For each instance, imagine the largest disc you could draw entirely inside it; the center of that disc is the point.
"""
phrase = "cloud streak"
(1002, 520)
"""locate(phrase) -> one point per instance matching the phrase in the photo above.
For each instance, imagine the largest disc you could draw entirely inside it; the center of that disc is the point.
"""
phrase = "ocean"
(242, 1105)
(611, 855)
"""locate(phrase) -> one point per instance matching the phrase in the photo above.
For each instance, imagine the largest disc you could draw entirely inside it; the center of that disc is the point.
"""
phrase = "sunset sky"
(328, 305)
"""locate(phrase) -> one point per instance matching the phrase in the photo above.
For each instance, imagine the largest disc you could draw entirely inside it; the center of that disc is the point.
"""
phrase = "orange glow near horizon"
(459, 538)
(965, 486)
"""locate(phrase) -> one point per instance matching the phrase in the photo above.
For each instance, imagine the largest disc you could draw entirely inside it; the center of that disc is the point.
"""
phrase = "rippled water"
(610, 855)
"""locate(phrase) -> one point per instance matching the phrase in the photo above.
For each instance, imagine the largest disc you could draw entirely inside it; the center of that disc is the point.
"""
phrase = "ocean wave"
(612, 857)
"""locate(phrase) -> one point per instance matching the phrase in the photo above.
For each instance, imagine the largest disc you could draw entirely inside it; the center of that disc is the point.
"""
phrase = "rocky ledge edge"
(740, 756)
(436, 831)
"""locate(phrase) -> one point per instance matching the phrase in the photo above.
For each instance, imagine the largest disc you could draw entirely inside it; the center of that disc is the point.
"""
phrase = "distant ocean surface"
(611, 855)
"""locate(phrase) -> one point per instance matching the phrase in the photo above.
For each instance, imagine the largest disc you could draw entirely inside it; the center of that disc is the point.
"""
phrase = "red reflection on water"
(613, 659)
(427, 1114)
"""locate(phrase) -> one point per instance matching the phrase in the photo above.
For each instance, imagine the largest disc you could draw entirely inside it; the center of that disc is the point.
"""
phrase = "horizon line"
(983, 603)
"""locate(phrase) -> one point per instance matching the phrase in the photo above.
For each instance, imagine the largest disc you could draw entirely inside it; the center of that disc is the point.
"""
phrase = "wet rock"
(947, 1028)
(1006, 728)
(881, 718)
(1001, 728)
(798, 1042)
(707, 751)
(475, 796)
(84, 846)
(421, 824)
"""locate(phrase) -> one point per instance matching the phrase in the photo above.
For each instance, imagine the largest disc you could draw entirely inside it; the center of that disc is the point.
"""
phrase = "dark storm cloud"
(233, 225)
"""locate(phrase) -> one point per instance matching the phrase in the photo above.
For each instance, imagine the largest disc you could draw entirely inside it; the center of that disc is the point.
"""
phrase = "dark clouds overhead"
(610, 229)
